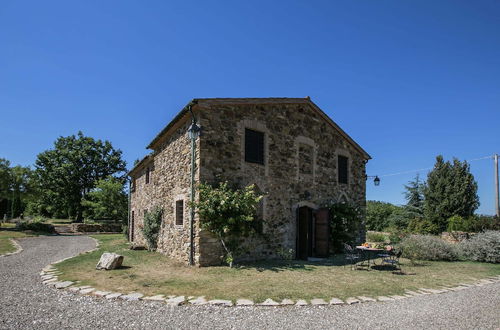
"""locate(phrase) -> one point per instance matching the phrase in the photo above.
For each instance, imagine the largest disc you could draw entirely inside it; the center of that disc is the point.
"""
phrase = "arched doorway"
(313, 233)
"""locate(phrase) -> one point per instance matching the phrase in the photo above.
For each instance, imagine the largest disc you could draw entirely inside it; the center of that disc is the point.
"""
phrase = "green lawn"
(152, 273)
(5, 244)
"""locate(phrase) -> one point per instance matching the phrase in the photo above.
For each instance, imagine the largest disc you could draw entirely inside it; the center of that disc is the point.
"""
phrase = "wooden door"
(321, 233)
(304, 233)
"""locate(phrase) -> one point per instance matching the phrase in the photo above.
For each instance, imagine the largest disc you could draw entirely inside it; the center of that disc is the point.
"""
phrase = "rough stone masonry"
(301, 149)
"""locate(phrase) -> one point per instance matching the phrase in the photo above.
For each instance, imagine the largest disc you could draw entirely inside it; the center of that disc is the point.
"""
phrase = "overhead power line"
(430, 168)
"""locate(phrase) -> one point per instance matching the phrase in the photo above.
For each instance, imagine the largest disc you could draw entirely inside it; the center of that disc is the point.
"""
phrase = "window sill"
(255, 163)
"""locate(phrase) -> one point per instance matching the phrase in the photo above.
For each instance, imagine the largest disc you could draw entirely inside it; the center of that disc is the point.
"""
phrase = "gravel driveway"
(26, 303)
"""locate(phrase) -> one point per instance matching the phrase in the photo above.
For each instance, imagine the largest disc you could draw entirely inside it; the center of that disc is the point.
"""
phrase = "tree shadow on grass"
(287, 265)
(393, 269)
(275, 265)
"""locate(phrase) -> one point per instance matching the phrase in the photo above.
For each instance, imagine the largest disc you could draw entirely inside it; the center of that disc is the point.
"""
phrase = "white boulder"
(109, 261)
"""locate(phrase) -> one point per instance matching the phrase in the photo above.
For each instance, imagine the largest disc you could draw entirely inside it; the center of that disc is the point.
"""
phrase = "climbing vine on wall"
(228, 213)
(151, 228)
(345, 223)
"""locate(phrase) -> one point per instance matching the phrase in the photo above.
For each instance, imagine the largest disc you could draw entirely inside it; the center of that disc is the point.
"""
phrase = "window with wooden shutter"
(254, 146)
(343, 169)
(147, 174)
(179, 212)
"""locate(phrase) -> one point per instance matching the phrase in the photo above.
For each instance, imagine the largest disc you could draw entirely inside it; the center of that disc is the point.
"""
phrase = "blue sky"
(406, 79)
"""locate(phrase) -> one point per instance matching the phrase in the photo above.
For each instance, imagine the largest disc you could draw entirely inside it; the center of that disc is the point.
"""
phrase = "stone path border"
(16, 245)
(49, 276)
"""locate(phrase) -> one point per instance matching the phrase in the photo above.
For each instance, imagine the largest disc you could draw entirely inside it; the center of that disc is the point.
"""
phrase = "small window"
(254, 146)
(343, 169)
(179, 212)
(147, 175)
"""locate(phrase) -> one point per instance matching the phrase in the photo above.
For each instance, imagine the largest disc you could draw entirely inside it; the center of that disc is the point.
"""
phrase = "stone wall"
(96, 228)
(455, 236)
(170, 166)
(301, 150)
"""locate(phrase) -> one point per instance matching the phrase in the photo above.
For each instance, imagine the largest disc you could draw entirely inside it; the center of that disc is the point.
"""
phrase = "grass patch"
(153, 273)
(6, 245)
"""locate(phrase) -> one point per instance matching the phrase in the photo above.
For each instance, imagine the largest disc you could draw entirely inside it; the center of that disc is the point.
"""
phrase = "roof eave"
(143, 161)
(185, 109)
(177, 117)
(341, 131)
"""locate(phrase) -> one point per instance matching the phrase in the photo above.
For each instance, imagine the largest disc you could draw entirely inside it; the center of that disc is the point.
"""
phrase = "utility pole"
(497, 206)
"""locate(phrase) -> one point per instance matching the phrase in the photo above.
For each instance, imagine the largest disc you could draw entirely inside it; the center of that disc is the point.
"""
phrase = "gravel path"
(26, 303)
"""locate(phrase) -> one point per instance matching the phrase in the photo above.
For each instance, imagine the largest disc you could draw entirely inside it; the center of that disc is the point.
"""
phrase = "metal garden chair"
(393, 260)
(351, 256)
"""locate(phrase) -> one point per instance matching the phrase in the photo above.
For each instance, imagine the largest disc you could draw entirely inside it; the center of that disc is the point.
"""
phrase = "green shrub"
(458, 223)
(152, 225)
(376, 237)
(483, 247)
(38, 218)
(426, 247)
(345, 224)
(422, 226)
(36, 226)
(479, 223)
(396, 235)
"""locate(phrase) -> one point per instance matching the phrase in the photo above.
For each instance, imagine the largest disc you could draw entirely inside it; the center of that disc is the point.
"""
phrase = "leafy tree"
(414, 194)
(14, 188)
(227, 213)
(450, 190)
(377, 215)
(400, 218)
(69, 171)
(107, 201)
(4, 179)
(4, 186)
(19, 187)
(413, 212)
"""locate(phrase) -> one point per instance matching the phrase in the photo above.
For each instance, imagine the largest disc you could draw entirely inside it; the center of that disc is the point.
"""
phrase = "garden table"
(369, 254)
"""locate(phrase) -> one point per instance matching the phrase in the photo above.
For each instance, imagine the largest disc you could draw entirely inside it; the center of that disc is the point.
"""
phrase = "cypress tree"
(450, 190)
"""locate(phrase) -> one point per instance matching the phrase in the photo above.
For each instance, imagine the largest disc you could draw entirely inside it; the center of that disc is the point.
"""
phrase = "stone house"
(287, 147)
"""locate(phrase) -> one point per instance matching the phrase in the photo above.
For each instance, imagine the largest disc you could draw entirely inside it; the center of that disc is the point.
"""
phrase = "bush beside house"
(483, 247)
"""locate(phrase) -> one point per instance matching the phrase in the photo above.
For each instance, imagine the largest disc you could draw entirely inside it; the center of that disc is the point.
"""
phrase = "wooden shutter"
(254, 146)
(321, 232)
(343, 169)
